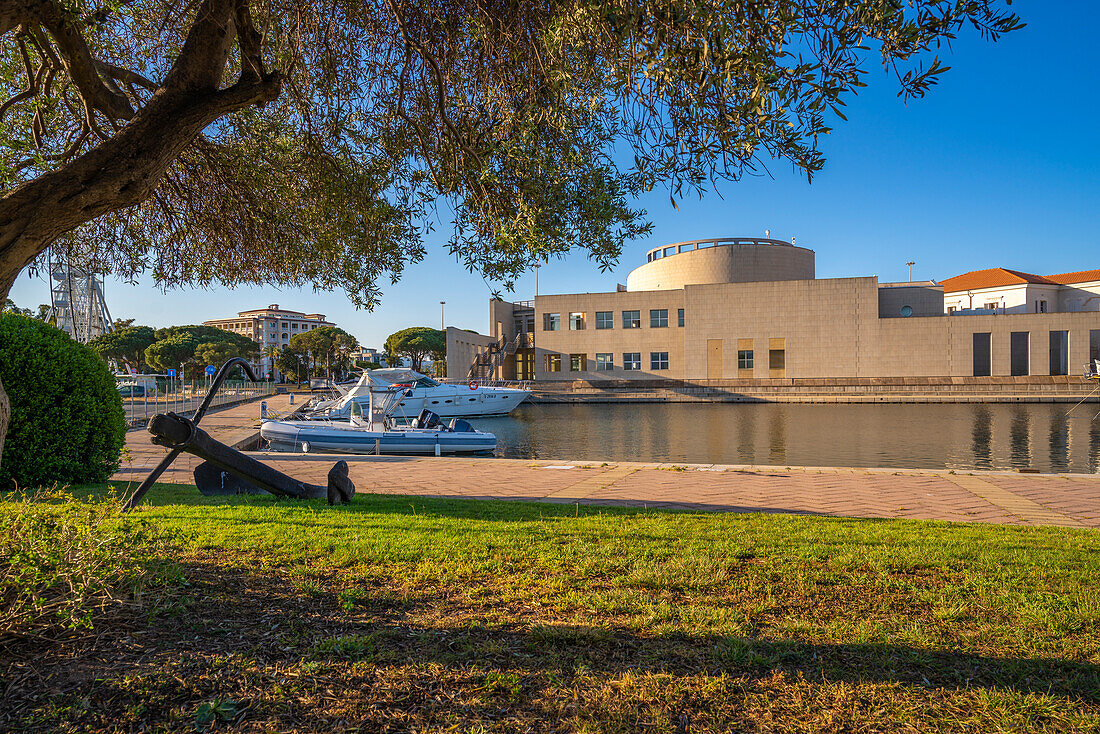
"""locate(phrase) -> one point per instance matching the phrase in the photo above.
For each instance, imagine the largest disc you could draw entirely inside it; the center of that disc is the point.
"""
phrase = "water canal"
(1046, 437)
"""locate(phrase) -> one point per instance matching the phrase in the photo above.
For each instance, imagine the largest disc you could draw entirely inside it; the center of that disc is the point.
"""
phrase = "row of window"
(1040, 306)
(605, 361)
(1019, 352)
(658, 319)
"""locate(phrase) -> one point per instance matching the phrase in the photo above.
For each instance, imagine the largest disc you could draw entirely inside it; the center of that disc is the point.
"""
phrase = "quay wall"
(940, 389)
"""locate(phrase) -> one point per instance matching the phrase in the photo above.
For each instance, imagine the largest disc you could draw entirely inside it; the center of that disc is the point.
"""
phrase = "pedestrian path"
(992, 497)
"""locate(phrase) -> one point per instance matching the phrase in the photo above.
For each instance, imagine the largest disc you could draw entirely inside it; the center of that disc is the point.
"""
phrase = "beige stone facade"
(799, 328)
(463, 347)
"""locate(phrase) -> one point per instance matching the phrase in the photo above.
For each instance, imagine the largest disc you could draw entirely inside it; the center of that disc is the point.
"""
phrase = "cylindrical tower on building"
(723, 260)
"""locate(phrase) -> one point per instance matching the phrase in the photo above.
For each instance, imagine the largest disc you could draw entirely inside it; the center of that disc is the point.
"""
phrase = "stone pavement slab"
(990, 497)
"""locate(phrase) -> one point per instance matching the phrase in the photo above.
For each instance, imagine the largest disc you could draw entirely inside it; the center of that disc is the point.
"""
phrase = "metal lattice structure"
(77, 305)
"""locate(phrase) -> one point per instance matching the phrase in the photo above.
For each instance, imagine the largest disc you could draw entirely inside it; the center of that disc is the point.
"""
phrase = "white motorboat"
(446, 400)
(376, 432)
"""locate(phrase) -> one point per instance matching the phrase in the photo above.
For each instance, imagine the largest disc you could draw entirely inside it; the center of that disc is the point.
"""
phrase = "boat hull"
(324, 436)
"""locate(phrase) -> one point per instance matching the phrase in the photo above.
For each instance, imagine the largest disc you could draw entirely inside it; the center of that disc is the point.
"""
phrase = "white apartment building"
(1003, 291)
(270, 326)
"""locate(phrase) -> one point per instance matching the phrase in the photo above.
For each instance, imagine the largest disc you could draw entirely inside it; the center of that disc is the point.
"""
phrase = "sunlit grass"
(430, 613)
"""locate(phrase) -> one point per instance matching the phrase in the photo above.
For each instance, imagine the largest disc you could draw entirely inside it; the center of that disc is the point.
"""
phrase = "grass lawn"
(413, 614)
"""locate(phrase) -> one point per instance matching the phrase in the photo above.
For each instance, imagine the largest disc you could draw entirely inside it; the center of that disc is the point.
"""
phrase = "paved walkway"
(996, 497)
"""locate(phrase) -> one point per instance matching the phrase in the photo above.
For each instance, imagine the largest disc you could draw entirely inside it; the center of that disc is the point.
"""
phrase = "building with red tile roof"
(1000, 290)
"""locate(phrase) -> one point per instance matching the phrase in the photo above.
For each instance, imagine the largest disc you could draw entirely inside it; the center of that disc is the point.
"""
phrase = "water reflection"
(995, 436)
(1019, 437)
(982, 438)
(1094, 447)
(777, 437)
(1059, 441)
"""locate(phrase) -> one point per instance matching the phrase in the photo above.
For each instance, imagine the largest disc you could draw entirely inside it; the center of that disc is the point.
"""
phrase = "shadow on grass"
(517, 508)
(282, 619)
(566, 649)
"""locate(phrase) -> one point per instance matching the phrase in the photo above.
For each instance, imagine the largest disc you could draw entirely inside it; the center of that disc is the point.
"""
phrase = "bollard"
(292, 398)
(263, 409)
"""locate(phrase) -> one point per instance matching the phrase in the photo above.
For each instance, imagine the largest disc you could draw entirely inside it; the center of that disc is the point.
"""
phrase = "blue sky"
(997, 166)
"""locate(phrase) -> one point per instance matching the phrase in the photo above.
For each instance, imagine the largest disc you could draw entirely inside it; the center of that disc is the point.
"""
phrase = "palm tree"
(272, 351)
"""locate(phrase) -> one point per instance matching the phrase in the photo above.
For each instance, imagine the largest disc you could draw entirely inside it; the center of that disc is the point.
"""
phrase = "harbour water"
(1046, 437)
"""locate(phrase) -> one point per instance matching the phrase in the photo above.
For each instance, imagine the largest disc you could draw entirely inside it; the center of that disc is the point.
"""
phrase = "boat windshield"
(426, 382)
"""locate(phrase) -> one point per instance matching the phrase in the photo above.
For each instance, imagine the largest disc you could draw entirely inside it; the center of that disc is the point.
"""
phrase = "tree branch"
(201, 63)
(437, 74)
(32, 85)
(125, 75)
(248, 39)
(77, 58)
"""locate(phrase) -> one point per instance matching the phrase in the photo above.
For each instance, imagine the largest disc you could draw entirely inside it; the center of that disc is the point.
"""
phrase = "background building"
(365, 354)
(748, 308)
(270, 326)
(998, 290)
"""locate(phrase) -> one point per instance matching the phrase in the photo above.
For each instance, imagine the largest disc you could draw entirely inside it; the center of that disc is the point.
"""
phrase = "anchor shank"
(178, 432)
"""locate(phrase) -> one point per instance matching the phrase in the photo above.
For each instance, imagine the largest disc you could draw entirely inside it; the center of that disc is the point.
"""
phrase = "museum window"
(605, 320)
(551, 322)
(744, 359)
(632, 360)
(983, 360)
(605, 361)
(777, 361)
(680, 317)
(552, 362)
(658, 318)
(1059, 352)
(658, 360)
(1094, 344)
(576, 322)
(1041, 307)
(632, 319)
(578, 362)
(1020, 358)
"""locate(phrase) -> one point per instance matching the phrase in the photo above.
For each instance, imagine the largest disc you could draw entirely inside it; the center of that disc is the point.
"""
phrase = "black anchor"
(226, 470)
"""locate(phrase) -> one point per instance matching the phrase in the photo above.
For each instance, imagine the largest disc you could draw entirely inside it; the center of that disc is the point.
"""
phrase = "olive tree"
(292, 142)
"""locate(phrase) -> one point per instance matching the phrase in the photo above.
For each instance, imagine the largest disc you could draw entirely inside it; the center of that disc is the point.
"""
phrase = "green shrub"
(67, 423)
(64, 563)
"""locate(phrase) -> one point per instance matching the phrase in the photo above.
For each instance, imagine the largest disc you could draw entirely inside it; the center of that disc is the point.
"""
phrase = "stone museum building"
(752, 308)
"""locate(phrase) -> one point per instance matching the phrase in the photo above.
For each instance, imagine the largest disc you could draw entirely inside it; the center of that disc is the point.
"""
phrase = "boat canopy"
(402, 375)
(382, 382)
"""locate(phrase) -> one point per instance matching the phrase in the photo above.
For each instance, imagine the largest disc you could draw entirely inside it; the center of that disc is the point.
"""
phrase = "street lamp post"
(910, 265)
(442, 321)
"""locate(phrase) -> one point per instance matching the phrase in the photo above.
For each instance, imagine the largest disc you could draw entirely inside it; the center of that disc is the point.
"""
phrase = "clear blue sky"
(998, 167)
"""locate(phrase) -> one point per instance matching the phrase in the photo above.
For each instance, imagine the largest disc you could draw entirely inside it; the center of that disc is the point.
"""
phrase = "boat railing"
(515, 384)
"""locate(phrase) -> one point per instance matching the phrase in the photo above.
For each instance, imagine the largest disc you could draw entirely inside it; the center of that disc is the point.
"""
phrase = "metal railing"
(184, 397)
(519, 384)
(658, 253)
(486, 363)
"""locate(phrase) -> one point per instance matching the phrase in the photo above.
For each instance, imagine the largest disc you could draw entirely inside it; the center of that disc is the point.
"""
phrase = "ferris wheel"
(77, 305)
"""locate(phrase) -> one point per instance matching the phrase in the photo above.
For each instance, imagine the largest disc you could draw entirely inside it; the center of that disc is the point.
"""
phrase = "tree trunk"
(5, 417)
(117, 173)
